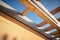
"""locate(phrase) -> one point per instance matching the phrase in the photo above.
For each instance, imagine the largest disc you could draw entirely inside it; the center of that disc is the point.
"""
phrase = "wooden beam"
(25, 11)
(55, 10)
(55, 33)
(49, 28)
(58, 19)
(42, 23)
(37, 0)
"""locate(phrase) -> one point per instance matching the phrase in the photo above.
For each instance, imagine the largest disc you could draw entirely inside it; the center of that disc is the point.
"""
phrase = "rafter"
(55, 10)
(25, 11)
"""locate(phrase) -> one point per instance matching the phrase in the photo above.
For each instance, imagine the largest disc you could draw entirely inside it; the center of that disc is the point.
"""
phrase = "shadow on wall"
(5, 37)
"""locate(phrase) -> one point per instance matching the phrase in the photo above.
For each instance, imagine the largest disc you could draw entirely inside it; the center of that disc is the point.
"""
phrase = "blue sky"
(49, 4)
(15, 4)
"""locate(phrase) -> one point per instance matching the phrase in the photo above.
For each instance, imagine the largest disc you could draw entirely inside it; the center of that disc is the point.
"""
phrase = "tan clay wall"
(13, 30)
